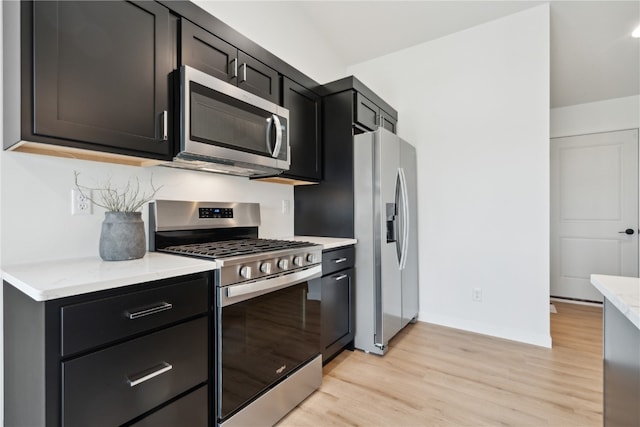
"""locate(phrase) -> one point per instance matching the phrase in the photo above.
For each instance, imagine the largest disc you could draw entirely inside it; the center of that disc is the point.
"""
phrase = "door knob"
(628, 231)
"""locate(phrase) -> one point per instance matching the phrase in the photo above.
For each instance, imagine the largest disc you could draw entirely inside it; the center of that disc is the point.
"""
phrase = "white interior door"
(594, 199)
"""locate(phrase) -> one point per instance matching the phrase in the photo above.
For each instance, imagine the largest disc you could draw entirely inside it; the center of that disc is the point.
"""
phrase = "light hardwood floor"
(437, 376)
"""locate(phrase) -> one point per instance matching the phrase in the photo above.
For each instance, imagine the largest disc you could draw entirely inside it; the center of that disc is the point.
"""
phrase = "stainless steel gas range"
(266, 337)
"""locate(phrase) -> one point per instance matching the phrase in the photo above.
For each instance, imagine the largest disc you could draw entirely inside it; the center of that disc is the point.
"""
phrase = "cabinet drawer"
(338, 259)
(190, 410)
(112, 386)
(89, 324)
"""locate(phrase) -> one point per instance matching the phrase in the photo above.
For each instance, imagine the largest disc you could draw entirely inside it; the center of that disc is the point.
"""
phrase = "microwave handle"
(271, 121)
(276, 149)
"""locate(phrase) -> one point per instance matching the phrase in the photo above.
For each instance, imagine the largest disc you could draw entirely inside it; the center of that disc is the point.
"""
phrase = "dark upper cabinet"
(214, 56)
(366, 112)
(304, 131)
(101, 75)
(388, 122)
(206, 52)
(369, 116)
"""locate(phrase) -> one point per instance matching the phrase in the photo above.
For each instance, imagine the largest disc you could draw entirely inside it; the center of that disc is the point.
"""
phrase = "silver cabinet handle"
(339, 260)
(149, 373)
(163, 306)
(244, 73)
(234, 68)
(238, 293)
(340, 277)
(165, 126)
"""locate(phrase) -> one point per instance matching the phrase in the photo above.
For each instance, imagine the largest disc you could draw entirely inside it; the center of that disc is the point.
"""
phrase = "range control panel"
(215, 212)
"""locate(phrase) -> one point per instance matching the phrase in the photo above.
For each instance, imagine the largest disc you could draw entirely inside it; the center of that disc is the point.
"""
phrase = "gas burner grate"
(232, 248)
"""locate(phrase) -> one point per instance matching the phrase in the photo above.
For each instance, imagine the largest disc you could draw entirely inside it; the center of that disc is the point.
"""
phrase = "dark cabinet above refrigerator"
(349, 108)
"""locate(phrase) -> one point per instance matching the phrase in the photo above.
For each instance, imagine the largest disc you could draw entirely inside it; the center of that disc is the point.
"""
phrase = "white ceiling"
(593, 56)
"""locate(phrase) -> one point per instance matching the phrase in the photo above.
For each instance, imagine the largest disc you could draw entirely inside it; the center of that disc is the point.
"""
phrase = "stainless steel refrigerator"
(386, 220)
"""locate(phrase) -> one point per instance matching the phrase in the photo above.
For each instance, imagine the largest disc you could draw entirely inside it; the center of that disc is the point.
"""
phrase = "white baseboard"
(578, 302)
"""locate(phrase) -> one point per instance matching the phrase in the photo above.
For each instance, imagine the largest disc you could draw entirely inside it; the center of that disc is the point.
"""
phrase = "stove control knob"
(297, 261)
(283, 264)
(265, 268)
(245, 271)
(312, 258)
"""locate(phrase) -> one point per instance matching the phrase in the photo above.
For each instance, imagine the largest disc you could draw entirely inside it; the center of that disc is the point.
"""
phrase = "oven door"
(222, 122)
(266, 330)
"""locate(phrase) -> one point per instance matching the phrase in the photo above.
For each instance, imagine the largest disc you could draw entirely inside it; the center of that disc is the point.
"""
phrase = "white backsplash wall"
(36, 202)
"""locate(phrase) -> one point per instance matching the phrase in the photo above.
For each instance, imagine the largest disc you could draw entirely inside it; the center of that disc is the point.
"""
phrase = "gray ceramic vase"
(122, 236)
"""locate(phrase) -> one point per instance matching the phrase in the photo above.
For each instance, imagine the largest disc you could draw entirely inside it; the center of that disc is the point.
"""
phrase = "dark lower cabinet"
(337, 301)
(621, 369)
(101, 74)
(190, 410)
(149, 365)
(304, 131)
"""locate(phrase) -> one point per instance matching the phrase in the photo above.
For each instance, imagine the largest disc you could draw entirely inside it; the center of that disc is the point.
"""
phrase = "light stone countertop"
(326, 242)
(622, 292)
(49, 280)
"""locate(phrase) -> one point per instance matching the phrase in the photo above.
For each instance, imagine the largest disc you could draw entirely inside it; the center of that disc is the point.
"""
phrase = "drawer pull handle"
(339, 260)
(163, 306)
(149, 373)
(340, 277)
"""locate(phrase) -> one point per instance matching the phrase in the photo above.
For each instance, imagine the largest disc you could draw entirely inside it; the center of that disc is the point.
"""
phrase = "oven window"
(264, 339)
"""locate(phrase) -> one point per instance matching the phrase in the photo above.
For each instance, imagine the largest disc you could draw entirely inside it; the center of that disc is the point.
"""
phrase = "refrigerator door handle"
(405, 218)
(398, 224)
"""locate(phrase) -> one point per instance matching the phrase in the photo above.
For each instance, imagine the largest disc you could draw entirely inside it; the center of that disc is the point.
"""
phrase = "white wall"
(476, 105)
(603, 116)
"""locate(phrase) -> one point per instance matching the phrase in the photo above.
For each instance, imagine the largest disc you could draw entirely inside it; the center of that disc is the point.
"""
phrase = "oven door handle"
(237, 293)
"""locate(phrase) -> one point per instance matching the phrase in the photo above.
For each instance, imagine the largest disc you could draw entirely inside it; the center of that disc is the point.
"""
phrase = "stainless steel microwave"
(226, 129)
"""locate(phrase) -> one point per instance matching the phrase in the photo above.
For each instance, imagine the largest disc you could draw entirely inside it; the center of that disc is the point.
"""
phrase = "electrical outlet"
(286, 207)
(476, 294)
(80, 204)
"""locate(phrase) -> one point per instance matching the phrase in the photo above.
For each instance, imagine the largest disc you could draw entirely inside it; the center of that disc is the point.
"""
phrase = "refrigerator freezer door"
(410, 271)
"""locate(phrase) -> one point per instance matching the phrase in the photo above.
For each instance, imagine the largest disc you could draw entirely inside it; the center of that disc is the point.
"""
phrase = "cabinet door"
(101, 73)
(336, 312)
(304, 130)
(366, 112)
(257, 78)
(207, 53)
(388, 122)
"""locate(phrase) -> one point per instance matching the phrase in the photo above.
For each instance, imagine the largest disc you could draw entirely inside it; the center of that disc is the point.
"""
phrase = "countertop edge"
(610, 286)
(44, 285)
(325, 242)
